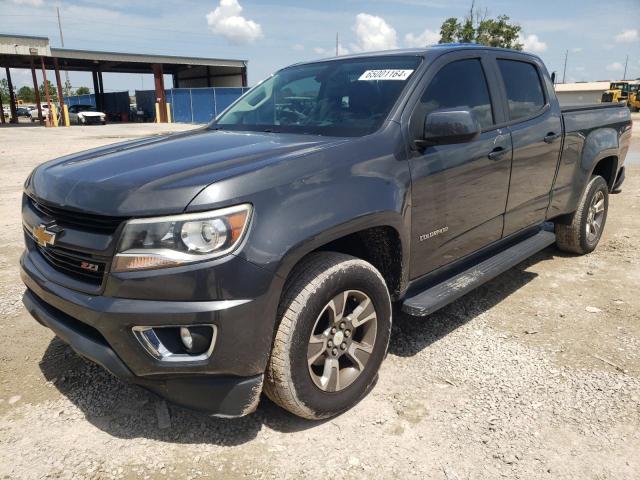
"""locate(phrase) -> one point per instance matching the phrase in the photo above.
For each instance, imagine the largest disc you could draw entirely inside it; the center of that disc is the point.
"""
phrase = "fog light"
(187, 339)
(177, 343)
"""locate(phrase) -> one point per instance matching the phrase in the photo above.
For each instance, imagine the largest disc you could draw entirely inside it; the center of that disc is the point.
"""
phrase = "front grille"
(76, 265)
(83, 221)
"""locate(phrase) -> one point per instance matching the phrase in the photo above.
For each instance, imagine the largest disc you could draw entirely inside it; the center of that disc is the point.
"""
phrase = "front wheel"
(335, 323)
(582, 235)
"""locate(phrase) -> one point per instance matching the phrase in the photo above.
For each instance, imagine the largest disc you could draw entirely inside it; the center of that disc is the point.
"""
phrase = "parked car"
(86, 115)
(22, 112)
(33, 112)
(267, 251)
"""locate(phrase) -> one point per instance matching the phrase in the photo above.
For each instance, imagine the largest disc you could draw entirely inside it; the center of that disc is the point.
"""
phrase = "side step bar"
(436, 297)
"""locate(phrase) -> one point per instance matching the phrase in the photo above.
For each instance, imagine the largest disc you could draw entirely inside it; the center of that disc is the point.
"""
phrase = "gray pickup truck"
(267, 251)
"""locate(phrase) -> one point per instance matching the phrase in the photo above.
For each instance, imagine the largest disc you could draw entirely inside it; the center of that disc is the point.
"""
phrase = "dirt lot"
(534, 375)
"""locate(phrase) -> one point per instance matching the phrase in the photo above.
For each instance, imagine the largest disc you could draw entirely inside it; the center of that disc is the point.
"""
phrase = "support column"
(101, 87)
(96, 88)
(160, 94)
(12, 98)
(244, 76)
(60, 96)
(36, 91)
(46, 91)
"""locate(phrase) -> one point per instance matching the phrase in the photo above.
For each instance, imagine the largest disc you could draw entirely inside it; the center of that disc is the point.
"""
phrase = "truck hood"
(160, 175)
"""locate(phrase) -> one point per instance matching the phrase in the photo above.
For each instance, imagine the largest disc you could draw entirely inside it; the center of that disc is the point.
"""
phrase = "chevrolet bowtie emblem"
(45, 235)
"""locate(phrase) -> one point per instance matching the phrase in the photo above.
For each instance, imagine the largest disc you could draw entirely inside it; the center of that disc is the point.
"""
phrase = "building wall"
(579, 98)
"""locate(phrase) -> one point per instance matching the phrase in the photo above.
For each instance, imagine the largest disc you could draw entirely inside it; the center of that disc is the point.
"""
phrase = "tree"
(26, 94)
(83, 91)
(68, 91)
(53, 92)
(4, 91)
(479, 28)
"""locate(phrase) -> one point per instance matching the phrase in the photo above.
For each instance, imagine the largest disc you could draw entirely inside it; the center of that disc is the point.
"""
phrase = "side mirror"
(553, 77)
(449, 126)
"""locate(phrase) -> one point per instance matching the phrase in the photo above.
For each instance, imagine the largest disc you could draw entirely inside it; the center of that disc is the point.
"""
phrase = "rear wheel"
(333, 335)
(584, 232)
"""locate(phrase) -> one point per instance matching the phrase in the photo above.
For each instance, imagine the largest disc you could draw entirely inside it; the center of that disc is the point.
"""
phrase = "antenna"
(337, 43)
(626, 62)
(66, 72)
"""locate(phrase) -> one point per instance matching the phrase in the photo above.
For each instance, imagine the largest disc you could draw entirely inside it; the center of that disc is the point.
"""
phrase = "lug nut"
(343, 345)
(333, 330)
(347, 333)
(329, 344)
(342, 325)
(334, 351)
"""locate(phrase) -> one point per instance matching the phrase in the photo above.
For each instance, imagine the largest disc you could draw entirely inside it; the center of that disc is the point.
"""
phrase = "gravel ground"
(534, 375)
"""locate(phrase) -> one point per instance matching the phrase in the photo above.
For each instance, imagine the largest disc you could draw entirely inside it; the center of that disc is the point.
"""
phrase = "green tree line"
(27, 94)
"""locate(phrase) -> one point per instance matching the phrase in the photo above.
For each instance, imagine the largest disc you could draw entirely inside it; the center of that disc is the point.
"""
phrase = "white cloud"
(321, 51)
(531, 43)
(342, 50)
(226, 20)
(32, 3)
(428, 37)
(298, 47)
(628, 36)
(615, 67)
(373, 33)
(576, 49)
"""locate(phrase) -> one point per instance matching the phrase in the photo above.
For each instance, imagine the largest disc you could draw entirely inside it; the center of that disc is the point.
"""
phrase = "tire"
(307, 308)
(575, 238)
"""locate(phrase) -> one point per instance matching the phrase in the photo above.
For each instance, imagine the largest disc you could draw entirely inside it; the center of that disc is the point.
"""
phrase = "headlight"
(176, 240)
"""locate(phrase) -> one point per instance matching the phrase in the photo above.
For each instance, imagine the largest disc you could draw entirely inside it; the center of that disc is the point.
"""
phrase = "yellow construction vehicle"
(620, 92)
(634, 97)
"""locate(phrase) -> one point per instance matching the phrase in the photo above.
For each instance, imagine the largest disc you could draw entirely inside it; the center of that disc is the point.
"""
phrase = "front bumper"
(99, 328)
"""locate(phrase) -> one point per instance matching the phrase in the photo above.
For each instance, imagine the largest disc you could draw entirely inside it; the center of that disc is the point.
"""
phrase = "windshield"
(342, 98)
(86, 108)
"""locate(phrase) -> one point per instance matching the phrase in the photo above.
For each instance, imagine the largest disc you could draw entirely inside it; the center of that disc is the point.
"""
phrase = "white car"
(86, 115)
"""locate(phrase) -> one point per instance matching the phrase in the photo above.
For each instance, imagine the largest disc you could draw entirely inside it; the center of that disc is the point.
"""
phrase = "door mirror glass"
(450, 126)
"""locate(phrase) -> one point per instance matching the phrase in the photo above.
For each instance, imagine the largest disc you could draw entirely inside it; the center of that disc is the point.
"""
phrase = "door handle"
(497, 153)
(551, 137)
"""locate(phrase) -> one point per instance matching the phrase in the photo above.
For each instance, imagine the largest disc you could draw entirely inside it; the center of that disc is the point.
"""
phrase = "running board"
(436, 297)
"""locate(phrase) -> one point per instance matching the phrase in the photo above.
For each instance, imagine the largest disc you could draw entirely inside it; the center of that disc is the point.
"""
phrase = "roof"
(17, 51)
(440, 48)
(582, 86)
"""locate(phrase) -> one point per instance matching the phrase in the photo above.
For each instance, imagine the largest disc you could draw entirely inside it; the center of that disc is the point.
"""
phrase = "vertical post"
(46, 89)
(160, 94)
(60, 96)
(36, 90)
(96, 88)
(12, 98)
(337, 43)
(564, 73)
(101, 87)
(626, 63)
(244, 76)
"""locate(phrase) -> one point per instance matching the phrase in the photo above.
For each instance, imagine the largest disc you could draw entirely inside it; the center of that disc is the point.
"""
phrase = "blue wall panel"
(202, 100)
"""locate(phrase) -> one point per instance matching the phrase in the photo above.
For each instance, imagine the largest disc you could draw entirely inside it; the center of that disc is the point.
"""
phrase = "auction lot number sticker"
(385, 75)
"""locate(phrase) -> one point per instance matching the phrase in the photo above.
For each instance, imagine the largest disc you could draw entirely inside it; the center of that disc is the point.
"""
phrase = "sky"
(275, 33)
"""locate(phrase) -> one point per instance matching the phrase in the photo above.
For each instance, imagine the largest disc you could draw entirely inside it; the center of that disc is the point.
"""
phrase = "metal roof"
(16, 52)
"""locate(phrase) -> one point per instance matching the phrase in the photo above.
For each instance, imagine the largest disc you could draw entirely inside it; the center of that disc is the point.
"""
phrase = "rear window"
(524, 90)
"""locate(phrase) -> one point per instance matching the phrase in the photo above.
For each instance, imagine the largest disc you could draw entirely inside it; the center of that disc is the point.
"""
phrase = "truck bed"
(592, 106)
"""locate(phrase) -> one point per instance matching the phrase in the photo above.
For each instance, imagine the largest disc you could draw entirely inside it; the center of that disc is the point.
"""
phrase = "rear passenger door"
(459, 191)
(535, 124)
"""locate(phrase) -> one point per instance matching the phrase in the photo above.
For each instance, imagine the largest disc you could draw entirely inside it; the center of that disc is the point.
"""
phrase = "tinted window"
(460, 84)
(344, 97)
(524, 90)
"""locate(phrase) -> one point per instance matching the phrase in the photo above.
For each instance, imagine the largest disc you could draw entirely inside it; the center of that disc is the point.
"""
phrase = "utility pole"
(626, 62)
(564, 73)
(66, 73)
(337, 44)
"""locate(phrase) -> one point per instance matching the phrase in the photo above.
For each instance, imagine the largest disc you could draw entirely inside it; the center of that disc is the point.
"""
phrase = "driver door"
(459, 191)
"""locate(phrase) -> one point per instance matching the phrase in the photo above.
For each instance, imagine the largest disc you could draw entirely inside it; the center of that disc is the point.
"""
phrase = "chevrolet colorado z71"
(264, 251)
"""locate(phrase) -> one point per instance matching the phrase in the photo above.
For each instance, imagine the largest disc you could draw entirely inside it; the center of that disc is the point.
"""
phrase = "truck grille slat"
(84, 221)
(71, 264)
